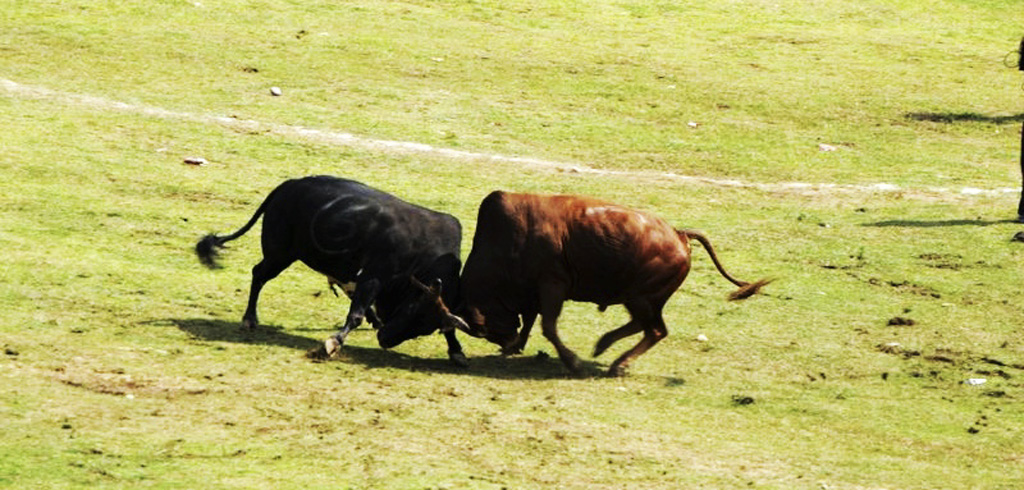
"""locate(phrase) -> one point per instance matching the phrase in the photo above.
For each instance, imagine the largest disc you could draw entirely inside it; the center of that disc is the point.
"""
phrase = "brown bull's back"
(602, 252)
(614, 254)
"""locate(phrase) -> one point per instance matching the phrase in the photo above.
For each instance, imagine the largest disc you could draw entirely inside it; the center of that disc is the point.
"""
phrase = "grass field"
(123, 364)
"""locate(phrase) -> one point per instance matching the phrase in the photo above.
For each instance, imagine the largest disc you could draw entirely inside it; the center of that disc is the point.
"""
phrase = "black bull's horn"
(449, 320)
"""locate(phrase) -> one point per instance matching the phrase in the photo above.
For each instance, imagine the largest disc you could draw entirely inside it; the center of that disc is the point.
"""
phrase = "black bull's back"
(380, 248)
(342, 229)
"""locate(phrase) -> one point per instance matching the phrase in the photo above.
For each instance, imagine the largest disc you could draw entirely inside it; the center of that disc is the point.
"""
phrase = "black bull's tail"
(746, 289)
(208, 247)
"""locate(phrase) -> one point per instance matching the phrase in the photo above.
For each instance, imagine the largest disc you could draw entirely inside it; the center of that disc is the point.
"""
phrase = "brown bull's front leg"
(551, 300)
(519, 345)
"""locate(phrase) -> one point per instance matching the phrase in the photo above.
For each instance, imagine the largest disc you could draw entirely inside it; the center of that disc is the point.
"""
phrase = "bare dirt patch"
(119, 383)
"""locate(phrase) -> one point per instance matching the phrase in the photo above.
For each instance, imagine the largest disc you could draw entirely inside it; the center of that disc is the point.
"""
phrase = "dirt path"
(13, 89)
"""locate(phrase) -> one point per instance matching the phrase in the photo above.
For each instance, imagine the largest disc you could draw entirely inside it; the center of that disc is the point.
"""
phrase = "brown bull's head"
(496, 324)
(475, 322)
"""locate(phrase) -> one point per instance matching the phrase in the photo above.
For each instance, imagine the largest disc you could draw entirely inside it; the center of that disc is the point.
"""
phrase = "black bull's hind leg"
(262, 273)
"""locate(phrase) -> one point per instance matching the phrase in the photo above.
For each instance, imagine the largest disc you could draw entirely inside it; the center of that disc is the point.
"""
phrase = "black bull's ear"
(434, 289)
(449, 320)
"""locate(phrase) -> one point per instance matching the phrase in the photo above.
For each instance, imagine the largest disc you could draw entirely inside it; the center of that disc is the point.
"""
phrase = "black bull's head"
(431, 304)
(420, 317)
(432, 296)
(499, 326)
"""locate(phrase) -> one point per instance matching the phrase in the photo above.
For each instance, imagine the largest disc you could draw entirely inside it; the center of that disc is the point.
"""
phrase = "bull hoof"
(573, 364)
(332, 346)
(459, 359)
(249, 324)
(511, 350)
(616, 371)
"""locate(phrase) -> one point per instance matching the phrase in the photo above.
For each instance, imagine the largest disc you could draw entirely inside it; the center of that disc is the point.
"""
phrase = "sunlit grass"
(122, 364)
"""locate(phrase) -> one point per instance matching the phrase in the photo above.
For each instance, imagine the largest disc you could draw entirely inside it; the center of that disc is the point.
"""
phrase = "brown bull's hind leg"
(616, 335)
(654, 330)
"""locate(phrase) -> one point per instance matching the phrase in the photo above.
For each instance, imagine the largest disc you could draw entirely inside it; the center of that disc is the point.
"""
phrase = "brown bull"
(532, 253)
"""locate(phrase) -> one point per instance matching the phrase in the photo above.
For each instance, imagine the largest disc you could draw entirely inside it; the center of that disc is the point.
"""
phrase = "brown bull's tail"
(747, 289)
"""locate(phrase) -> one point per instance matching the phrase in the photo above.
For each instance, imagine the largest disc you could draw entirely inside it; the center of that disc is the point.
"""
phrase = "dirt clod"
(742, 400)
(318, 353)
(890, 347)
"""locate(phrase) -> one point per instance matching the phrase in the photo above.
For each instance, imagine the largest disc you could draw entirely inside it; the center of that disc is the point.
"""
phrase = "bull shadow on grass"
(938, 223)
(540, 366)
(224, 331)
(955, 117)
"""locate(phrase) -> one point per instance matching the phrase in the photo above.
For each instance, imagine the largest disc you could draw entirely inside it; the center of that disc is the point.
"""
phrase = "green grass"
(123, 365)
(614, 84)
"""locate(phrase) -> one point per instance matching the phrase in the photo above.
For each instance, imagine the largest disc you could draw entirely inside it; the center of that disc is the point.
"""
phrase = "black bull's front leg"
(455, 353)
(349, 289)
(362, 299)
(365, 294)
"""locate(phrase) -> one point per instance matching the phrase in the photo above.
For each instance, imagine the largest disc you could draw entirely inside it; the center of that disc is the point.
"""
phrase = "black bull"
(380, 249)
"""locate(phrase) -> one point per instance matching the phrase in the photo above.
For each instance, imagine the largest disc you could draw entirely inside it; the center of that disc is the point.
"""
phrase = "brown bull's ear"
(476, 316)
